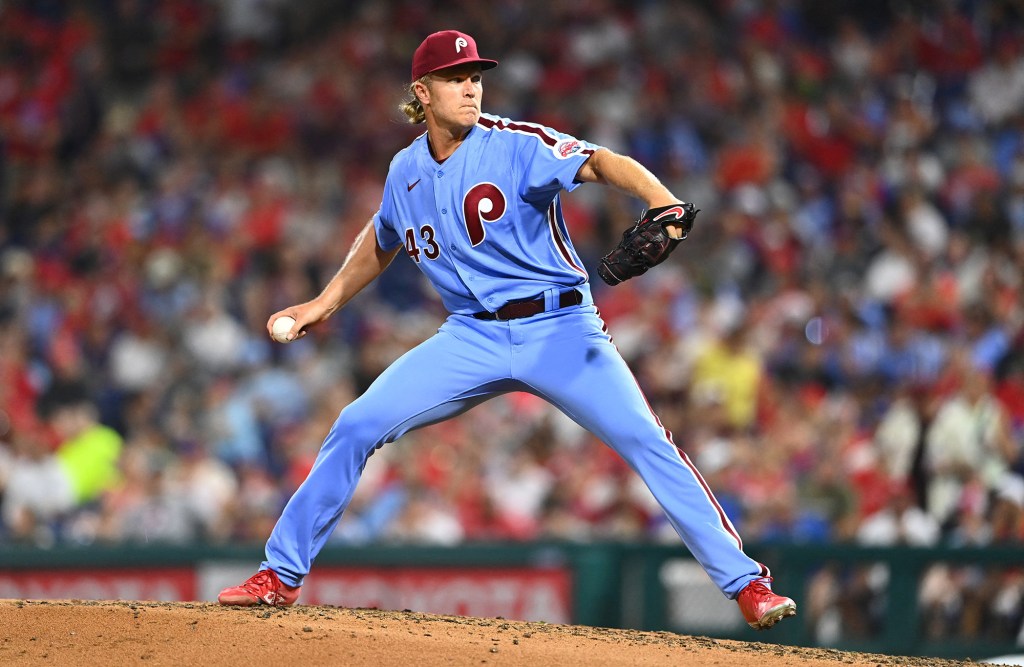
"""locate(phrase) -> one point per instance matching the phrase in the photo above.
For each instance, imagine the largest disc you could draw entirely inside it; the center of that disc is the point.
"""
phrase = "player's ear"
(422, 91)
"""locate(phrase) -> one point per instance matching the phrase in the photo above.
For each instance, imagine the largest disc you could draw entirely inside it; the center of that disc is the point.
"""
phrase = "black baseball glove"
(646, 243)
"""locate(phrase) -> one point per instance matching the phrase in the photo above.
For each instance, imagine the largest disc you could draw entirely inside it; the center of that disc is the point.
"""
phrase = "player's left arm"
(629, 176)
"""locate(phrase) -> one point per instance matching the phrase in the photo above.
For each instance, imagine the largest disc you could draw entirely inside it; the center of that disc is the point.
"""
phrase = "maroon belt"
(513, 310)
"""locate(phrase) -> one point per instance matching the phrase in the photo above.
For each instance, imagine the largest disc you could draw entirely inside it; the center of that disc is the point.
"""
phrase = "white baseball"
(281, 327)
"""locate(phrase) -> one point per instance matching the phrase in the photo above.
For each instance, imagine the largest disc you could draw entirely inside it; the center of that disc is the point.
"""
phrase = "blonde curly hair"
(412, 107)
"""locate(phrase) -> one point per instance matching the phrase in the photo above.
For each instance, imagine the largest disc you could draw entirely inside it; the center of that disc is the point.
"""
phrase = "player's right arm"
(365, 261)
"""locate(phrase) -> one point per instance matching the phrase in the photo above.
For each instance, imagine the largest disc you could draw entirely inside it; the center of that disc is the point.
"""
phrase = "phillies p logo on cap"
(446, 49)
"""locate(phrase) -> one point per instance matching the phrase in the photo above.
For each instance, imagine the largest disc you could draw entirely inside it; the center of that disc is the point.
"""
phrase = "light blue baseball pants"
(564, 356)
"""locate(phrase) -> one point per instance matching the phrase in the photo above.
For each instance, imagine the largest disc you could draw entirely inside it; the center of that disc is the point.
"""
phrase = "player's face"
(455, 94)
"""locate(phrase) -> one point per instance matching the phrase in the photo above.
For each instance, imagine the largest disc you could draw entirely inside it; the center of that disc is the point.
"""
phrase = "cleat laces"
(259, 583)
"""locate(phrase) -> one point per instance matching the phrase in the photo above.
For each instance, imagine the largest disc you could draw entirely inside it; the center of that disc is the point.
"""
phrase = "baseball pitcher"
(474, 202)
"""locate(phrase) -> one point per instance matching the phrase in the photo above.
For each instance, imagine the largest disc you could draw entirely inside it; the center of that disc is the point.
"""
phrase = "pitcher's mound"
(182, 633)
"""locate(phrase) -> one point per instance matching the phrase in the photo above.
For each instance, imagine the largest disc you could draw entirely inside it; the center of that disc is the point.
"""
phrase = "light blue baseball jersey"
(486, 226)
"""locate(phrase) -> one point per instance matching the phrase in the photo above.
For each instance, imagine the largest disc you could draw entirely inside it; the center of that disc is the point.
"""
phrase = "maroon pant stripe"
(726, 524)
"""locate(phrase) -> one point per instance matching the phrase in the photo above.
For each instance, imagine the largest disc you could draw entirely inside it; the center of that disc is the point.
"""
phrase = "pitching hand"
(305, 315)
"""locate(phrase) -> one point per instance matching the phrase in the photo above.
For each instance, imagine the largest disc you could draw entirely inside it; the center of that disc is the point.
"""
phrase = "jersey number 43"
(484, 202)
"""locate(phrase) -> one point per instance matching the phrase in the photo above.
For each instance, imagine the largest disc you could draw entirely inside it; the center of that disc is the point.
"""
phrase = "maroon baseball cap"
(445, 49)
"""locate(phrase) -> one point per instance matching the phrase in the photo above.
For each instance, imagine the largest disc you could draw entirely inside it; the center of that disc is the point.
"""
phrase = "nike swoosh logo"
(412, 185)
(675, 210)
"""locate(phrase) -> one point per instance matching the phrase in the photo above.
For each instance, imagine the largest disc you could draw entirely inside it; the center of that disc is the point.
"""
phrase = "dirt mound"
(181, 633)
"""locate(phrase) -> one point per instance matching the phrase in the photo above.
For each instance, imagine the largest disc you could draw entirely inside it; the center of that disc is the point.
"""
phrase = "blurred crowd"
(839, 346)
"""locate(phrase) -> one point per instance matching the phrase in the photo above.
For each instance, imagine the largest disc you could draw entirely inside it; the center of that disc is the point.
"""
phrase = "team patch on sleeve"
(567, 147)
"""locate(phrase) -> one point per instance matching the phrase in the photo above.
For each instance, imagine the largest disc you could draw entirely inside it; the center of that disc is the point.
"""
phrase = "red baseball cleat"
(261, 588)
(761, 608)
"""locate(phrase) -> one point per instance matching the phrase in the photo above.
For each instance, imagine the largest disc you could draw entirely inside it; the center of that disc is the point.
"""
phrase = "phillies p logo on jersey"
(484, 202)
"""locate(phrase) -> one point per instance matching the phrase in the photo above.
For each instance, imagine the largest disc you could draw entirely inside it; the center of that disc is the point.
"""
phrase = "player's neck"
(443, 141)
